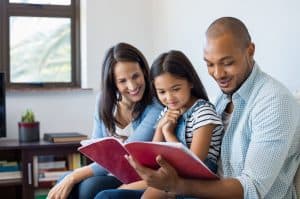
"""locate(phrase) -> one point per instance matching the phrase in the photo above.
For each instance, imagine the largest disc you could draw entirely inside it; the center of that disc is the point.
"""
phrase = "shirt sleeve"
(98, 169)
(99, 130)
(274, 122)
(145, 127)
(203, 115)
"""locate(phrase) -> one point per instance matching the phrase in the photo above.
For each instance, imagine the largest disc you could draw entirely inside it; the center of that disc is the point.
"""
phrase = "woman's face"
(130, 81)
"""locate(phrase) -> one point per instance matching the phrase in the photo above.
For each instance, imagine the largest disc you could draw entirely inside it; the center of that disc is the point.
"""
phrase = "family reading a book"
(250, 138)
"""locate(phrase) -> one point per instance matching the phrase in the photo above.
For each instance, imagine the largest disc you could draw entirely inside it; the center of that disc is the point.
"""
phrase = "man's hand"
(165, 178)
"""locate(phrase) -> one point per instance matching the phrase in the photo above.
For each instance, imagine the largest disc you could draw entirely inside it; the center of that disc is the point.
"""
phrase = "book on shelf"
(41, 193)
(74, 161)
(48, 168)
(109, 153)
(9, 166)
(64, 137)
(61, 164)
(7, 175)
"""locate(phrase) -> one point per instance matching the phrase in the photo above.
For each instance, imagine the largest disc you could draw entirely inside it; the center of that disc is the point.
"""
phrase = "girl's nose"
(169, 96)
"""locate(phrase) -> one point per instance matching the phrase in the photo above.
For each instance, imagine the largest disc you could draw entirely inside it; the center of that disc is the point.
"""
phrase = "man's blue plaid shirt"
(261, 145)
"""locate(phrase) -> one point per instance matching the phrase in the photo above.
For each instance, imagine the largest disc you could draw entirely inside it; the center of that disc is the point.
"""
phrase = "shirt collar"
(244, 91)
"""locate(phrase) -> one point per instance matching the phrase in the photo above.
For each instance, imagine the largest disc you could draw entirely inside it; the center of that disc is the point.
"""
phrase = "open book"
(109, 153)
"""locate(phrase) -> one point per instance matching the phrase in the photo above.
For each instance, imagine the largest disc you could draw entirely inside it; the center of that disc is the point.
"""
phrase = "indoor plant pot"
(29, 129)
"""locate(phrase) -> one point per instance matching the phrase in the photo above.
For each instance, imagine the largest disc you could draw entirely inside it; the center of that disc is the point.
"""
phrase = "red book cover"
(109, 153)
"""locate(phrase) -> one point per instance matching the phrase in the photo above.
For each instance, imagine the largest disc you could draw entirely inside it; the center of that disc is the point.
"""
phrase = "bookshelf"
(31, 158)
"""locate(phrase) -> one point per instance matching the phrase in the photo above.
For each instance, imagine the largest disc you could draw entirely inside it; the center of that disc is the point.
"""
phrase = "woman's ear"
(191, 85)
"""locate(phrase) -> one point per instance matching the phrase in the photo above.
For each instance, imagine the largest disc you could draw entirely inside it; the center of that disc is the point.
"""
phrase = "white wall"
(112, 21)
(273, 24)
(155, 26)
(104, 23)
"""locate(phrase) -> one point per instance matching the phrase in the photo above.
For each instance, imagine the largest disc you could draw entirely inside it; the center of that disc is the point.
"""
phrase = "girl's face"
(173, 92)
(130, 82)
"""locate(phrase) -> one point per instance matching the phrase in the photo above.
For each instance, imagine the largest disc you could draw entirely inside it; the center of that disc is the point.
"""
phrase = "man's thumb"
(161, 161)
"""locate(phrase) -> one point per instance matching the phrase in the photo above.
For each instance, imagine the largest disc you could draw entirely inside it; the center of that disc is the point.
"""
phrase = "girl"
(188, 117)
(125, 109)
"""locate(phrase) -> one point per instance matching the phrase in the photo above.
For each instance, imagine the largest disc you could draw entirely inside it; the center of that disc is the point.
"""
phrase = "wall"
(104, 23)
(156, 26)
(273, 24)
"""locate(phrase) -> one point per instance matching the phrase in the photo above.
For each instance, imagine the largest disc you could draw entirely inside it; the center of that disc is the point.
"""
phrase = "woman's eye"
(135, 76)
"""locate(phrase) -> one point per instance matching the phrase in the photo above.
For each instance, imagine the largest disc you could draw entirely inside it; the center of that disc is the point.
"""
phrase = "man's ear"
(251, 50)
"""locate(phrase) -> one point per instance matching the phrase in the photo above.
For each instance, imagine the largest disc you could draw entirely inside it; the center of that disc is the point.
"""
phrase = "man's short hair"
(230, 25)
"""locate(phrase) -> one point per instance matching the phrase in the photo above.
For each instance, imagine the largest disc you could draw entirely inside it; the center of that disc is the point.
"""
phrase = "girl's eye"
(176, 89)
(161, 92)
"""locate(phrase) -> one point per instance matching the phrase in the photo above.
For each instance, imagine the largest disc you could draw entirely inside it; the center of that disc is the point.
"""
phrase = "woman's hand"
(62, 189)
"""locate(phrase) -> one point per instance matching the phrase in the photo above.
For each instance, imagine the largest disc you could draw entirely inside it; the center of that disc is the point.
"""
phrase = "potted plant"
(29, 129)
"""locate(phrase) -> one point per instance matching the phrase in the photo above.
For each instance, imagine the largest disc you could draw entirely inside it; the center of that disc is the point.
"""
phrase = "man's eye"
(228, 63)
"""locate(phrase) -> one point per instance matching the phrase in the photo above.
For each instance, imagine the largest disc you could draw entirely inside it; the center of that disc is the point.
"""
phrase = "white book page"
(91, 141)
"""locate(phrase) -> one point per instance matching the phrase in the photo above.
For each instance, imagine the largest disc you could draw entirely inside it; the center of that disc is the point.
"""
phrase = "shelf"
(29, 155)
(11, 182)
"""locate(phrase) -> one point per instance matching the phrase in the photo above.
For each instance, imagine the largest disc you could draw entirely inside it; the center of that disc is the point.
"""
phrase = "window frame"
(71, 11)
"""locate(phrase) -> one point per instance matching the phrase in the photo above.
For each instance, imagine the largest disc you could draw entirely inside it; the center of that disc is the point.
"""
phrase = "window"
(39, 43)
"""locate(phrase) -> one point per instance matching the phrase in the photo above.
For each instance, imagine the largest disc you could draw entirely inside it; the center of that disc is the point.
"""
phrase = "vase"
(29, 132)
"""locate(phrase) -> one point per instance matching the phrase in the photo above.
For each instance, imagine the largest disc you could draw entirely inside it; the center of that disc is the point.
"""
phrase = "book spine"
(35, 171)
(48, 138)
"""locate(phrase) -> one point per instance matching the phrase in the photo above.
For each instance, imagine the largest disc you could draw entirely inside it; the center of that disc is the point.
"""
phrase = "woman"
(125, 109)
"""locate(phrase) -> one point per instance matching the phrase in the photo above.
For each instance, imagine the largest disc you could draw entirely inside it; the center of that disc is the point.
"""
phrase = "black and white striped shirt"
(203, 113)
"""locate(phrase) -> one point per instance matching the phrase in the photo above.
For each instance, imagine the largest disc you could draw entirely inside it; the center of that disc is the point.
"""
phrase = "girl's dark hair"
(121, 52)
(176, 63)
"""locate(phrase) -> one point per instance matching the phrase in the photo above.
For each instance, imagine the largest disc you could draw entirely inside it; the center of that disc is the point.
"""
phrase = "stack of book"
(9, 170)
(64, 137)
(47, 170)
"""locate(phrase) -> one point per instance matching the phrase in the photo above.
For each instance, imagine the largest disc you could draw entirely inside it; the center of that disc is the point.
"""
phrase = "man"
(260, 150)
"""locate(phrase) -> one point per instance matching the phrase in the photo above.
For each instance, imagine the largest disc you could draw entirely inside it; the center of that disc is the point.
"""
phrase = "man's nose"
(219, 72)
